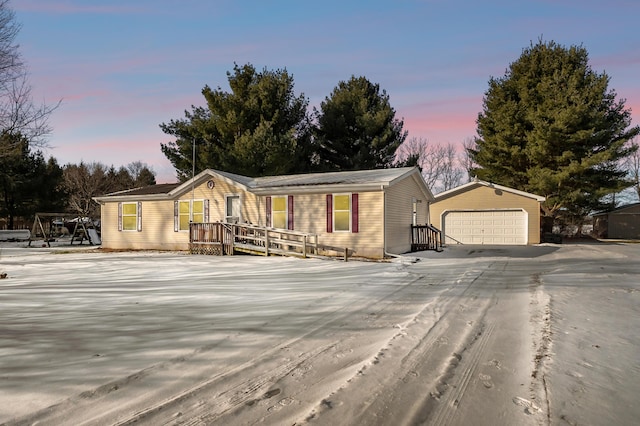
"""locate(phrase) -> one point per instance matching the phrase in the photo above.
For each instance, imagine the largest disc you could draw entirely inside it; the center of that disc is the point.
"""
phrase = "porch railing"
(210, 238)
(224, 238)
(425, 237)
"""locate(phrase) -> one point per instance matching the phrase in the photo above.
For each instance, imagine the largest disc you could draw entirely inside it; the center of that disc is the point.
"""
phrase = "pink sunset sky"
(122, 68)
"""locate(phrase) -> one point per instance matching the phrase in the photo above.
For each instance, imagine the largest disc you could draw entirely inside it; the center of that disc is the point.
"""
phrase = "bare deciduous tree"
(632, 164)
(83, 182)
(19, 115)
(466, 160)
(440, 164)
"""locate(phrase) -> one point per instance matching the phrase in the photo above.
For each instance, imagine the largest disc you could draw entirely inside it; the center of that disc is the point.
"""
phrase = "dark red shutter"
(268, 209)
(290, 212)
(329, 213)
(119, 217)
(354, 212)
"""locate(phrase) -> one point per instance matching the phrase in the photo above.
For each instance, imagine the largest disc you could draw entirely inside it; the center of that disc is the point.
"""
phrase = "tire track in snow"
(424, 355)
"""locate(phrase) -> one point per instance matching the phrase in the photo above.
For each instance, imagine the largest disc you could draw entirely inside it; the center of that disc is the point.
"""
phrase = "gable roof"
(161, 188)
(633, 207)
(350, 181)
(476, 183)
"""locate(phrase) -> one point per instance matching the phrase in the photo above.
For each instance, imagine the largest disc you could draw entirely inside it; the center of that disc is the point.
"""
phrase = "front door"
(232, 209)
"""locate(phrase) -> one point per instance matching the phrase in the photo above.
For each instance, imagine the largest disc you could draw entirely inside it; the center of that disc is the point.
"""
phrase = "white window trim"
(286, 210)
(226, 204)
(135, 229)
(190, 211)
(333, 213)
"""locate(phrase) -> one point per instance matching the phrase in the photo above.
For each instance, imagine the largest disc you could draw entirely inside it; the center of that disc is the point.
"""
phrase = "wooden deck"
(226, 239)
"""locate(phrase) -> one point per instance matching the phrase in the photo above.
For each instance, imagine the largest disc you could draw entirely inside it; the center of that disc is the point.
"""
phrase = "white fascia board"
(464, 187)
(314, 189)
(124, 198)
(201, 177)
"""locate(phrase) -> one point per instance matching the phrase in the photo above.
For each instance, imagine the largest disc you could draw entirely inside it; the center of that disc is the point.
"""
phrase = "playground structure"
(49, 226)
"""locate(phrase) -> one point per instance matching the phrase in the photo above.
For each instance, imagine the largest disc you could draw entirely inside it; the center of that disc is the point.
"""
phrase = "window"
(279, 212)
(342, 213)
(186, 211)
(129, 216)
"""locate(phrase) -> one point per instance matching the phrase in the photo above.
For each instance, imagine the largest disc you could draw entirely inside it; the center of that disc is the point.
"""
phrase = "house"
(481, 212)
(621, 223)
(368, 211)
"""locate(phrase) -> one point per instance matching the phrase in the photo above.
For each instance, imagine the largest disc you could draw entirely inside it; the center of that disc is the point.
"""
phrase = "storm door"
(232, 209)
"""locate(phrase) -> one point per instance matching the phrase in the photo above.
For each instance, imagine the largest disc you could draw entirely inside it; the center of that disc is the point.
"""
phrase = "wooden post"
(304, 247)
(346, 254)
(266, 242)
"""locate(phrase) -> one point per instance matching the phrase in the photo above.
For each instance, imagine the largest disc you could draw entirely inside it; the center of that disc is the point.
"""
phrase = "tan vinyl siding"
(158, 219)
(399, 214)
(157, 229)
(250, 206)
(484, 198)
(310, 215)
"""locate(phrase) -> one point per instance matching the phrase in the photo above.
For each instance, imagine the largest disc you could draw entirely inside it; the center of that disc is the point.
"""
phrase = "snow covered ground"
(473, 335)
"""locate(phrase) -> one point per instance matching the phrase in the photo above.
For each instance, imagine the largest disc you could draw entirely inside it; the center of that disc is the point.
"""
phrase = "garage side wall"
(625, 224)
(483, 198)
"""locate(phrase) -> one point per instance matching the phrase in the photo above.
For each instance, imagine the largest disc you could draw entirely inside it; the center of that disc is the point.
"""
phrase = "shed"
(481, 212)
(620, 223)
(368, 211)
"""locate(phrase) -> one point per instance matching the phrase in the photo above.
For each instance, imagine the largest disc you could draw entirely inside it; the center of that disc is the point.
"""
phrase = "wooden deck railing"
(210, 238)
(425, 237)
(225, 238)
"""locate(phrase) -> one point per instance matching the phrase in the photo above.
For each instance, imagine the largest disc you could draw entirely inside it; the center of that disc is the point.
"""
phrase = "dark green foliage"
(28, 183)
(259, 128)
(357, 128)
(552, 127)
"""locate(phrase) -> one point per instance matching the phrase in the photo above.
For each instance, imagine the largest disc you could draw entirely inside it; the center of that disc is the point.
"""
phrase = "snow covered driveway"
(481, 335)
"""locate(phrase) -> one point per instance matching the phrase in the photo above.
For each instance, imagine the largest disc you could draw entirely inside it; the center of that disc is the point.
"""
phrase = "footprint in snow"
(529, 407)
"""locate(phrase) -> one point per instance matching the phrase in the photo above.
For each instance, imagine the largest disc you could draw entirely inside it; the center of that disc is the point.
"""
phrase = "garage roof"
(477, 183)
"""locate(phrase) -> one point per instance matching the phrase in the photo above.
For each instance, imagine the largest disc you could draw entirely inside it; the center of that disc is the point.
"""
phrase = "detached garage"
(480, 212)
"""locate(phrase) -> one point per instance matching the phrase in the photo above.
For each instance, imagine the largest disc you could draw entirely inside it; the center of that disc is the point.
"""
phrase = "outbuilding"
(370, 212)
(481, 212)
(621, 223)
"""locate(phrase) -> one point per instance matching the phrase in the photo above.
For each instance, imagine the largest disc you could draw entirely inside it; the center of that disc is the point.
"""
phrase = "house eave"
(310, 189)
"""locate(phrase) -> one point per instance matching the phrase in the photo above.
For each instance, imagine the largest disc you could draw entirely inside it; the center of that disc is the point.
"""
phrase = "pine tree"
(259, 128)
(552, 127)
(356, 127)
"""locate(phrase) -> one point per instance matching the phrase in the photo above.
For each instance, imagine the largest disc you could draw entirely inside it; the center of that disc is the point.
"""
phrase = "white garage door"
(485, 227)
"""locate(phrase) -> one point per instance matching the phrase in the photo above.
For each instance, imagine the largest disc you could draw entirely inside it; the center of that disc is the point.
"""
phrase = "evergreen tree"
(356, 127)
(259, 128)
(552, 127)
(28, 183)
